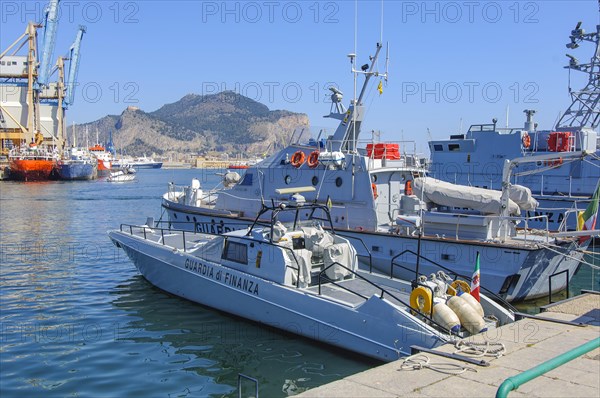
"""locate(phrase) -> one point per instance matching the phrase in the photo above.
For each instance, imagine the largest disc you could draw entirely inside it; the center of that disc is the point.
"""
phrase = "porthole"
(338, 182)
(374, 178)
(187, 218)
(288, 179)
(315, 181)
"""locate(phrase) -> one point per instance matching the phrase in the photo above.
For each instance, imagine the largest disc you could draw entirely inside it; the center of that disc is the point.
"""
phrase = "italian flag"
(475, 280)
(587, 219)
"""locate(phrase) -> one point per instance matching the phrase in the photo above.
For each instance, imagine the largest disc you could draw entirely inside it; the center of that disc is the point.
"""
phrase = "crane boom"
(49, 40)
(74, 56)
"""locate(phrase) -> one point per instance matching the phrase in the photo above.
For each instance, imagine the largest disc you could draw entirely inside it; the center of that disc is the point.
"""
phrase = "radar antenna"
(584, 110)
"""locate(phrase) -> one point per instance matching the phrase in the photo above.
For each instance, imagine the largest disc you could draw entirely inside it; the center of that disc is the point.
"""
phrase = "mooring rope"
(421, 361)
(484, 349)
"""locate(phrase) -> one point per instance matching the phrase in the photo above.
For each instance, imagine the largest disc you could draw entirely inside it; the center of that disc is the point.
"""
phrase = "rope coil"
(421, 361)
(484, 349)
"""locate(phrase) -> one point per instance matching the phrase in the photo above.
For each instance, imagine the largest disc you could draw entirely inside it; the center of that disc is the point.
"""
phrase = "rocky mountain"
(196, 124)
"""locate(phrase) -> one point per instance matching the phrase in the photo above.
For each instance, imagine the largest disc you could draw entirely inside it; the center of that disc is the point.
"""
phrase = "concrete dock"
(528, 343)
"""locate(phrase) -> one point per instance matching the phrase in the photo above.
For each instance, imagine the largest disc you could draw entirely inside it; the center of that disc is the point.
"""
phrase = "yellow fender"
(420, 299)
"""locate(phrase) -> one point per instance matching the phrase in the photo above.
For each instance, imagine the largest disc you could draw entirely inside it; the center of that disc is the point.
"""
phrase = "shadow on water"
(216, 346)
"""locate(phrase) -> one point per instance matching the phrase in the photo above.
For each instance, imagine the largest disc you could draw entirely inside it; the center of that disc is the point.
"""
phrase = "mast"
(584, 110)
(346, 135)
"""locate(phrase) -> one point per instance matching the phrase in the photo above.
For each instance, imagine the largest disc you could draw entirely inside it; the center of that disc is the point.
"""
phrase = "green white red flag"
(587, 219)
(475, 280)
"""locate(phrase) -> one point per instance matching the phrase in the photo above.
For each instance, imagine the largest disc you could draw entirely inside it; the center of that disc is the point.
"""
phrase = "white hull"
(515, 272)
(377, 328)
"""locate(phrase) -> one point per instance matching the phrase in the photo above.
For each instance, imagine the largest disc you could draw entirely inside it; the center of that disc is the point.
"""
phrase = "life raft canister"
(298, 159)
(313, 159)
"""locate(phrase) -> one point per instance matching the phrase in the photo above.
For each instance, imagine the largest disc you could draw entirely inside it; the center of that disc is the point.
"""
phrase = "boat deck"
(353, 292)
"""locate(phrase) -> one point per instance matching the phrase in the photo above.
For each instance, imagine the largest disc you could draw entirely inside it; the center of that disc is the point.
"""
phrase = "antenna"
(381, 33)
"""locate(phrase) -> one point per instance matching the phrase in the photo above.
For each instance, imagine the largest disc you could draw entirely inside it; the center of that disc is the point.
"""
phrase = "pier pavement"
(528, 343)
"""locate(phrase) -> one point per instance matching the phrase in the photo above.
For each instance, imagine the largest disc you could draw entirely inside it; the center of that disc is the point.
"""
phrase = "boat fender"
(420, 299)
(374, 188)
(298, 159)
(313, 159)
(443, 315)
(469, 318)
(472, 301)
(408, 188)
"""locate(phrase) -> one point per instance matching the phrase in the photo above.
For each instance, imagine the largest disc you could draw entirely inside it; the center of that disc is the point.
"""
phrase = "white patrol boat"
(381, 194)
(307, 280)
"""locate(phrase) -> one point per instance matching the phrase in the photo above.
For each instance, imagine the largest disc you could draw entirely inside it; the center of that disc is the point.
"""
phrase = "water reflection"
(216, 346)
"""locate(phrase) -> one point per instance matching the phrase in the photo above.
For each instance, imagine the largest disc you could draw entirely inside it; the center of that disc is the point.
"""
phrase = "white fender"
(468, 316)
(472, 301)
(443, 315)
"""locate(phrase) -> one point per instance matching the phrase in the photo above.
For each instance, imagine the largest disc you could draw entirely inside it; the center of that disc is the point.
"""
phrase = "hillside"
(224, 122)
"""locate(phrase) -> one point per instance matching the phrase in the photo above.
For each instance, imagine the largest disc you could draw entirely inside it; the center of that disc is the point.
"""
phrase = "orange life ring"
(526, 140)
(408, 188)
(298, 159)
(374, 188)
(313, 159)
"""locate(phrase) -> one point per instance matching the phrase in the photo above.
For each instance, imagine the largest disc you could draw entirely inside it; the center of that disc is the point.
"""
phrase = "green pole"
(514, 382)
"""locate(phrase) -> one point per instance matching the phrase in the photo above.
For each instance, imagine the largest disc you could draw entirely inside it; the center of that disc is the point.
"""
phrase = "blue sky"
(452, 62)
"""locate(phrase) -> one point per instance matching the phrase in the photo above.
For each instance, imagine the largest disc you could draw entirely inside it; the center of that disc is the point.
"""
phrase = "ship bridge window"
(453, 147)
(247, 180)
(438, 147)
(235, 251)
(2, 63)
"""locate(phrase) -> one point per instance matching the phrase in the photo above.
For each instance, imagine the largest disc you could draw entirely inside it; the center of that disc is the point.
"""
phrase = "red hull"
(237, 166)
(31, 169)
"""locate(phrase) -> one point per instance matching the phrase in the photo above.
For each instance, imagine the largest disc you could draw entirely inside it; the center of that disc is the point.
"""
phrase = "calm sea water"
(76, 318)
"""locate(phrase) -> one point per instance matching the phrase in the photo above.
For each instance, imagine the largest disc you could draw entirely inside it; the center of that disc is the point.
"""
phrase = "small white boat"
(123, 175)
(304, 279)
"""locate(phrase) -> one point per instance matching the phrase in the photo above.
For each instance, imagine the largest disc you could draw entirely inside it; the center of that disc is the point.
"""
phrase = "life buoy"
(421, 300)
(374, 188)
(313, 159)
(526, 140)
(461, 285)
(408, 188)
(298, 159)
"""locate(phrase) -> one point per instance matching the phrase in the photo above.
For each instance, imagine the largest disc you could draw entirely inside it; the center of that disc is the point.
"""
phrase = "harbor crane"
(48, 43)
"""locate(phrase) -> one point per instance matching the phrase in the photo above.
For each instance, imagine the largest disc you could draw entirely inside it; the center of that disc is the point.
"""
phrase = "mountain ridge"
(196, 124)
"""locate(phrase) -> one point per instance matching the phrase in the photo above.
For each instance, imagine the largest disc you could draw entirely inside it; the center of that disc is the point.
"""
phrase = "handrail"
(144, 227)
(449, 271)
(514, 382)
(366, 248)
(550, 283)
(383, 291)
(243, 376)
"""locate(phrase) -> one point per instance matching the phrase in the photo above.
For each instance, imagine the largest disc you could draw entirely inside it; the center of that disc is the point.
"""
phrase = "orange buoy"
(298, 159)
(374, 188)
